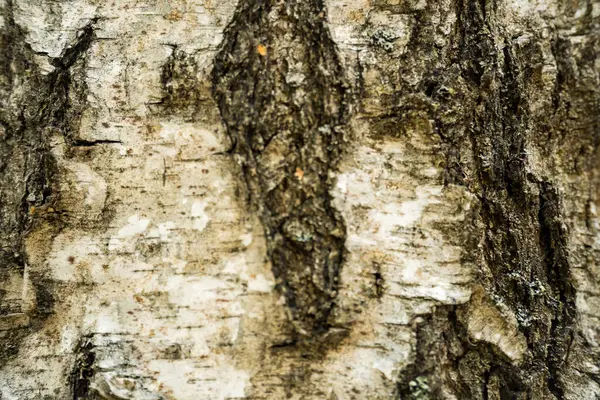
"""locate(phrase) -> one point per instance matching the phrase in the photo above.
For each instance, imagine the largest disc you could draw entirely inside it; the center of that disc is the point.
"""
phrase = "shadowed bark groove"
(280, 89)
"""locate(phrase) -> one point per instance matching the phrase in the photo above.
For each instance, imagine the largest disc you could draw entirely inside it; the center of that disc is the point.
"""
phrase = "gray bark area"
(418, 180)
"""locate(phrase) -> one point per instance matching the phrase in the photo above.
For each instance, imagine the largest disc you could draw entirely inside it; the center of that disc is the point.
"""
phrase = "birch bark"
(306, 199)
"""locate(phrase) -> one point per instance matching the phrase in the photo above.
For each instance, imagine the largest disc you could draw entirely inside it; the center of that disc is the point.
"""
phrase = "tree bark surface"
(305, 199)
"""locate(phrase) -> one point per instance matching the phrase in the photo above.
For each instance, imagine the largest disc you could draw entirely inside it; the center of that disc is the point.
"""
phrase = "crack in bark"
(281, 91)
(83, 370)
(59, 109)
(91, 143)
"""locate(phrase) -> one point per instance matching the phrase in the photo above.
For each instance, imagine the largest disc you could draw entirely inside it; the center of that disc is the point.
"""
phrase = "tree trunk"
(306, 199)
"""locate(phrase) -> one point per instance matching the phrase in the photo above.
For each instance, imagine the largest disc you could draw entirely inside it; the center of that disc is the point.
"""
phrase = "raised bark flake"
(282, 96)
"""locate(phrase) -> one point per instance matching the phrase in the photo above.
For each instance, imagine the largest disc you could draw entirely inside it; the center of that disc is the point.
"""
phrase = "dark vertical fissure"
(529, 273)
(58, 110)
(552, 237)
(281, 92)
(83, 371)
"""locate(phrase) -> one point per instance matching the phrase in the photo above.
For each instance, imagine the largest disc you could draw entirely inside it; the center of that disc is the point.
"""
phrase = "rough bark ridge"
(34, 106)
(525, 267)
(282, 96)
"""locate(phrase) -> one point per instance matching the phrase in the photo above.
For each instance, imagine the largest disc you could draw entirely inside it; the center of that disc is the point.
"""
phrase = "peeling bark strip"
(280, 89)
(31, 105)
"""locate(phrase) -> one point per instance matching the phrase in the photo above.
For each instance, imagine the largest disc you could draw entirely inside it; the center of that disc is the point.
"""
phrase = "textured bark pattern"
(485, 87)
(34, 107)
(281, 92)
(337, 199)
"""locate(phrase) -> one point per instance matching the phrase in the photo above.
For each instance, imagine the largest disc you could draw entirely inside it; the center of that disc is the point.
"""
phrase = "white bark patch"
(40, 19)
(246, 239)
(183, 380)
(199, 215)
(92, 184)
(417, 268)
(164, 230)
(188, 292)
(258, 283)
(73, 259)
(135, 225)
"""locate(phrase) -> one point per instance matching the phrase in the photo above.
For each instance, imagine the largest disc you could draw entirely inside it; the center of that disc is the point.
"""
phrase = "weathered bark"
(312, 199)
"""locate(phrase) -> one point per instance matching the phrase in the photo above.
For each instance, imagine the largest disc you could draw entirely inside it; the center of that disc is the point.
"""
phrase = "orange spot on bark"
(261, 49)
